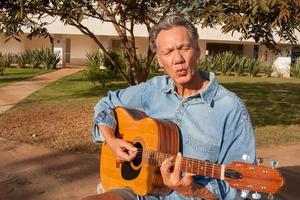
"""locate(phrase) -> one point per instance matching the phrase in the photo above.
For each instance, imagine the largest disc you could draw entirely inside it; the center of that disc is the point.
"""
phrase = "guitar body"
(157, 140)
(145, 133)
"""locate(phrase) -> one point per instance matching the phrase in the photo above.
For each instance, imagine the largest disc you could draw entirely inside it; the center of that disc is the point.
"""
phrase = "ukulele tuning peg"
(244, 193)
(270, 197)
(256, 195)
(259, 160)
(246, 157)
(274, 164)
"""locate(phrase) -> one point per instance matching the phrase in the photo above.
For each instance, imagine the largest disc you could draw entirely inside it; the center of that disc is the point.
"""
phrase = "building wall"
(11, 46)
(37, 43)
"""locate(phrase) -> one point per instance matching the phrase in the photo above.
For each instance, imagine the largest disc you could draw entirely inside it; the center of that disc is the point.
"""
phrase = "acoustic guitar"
(157, 140)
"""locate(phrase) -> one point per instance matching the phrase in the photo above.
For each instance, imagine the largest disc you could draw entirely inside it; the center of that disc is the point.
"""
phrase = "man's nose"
(178, 58)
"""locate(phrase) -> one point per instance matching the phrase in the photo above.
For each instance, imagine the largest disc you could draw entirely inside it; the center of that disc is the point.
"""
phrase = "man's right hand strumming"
(123, 151)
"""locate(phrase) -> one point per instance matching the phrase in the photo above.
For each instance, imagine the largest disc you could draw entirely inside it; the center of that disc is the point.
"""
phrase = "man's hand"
(170, 171)
(123, 151)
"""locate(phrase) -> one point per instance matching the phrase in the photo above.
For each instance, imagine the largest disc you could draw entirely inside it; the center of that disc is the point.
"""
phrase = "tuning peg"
(256, 195)
(246, 157)
(270, 197)
(100, 188)
(244, 193)
(259, 160)
(274, 164)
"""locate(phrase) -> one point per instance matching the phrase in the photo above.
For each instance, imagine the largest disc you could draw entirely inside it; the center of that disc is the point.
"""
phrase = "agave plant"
(226, 62)
(239, 67)
(1, 65)
(203, 65)
(295, 69)
(49, 60)
(252, 66)
(35, 58)
(21, 59)
(267, 68)
(96, 72)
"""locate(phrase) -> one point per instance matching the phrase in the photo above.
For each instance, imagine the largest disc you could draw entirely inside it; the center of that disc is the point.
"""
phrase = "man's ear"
(159, 60)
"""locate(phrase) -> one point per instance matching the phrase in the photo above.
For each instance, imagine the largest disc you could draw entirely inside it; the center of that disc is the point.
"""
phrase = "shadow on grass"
(270, 104)
(13, 79)
(54, 174)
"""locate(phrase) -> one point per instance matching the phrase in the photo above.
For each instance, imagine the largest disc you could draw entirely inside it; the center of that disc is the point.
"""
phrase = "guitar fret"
(188, 165)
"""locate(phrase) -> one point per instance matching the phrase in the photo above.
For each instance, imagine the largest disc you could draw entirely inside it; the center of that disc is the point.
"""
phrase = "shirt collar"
(207, 95)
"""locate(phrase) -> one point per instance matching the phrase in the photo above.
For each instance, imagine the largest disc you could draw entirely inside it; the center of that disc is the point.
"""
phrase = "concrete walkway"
(13, 93)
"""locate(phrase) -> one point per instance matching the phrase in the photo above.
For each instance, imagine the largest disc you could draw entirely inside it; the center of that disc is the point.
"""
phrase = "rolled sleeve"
(106, 118)
(104, 110)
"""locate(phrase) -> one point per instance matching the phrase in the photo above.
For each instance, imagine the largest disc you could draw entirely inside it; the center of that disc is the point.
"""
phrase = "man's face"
(177, 55)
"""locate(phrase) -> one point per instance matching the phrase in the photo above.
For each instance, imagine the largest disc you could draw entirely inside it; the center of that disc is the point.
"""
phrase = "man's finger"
(177, 166)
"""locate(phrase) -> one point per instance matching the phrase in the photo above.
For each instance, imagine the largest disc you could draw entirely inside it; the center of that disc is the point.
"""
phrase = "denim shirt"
(214, 124)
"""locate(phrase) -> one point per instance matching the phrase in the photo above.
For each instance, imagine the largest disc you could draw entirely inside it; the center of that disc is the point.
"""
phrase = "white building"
(74, 45)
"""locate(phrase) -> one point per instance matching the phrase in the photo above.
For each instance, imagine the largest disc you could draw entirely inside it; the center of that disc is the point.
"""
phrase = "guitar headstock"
(258, 178)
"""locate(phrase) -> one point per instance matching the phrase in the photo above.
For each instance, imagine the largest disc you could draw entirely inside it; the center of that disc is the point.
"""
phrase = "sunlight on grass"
(12, 75)
(273, 104)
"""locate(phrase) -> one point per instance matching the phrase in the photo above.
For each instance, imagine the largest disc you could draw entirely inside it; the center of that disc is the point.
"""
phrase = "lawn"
(12, 75)
(59, 116)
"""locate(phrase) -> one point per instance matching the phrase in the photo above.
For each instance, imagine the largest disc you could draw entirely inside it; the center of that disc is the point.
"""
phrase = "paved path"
(13, 93)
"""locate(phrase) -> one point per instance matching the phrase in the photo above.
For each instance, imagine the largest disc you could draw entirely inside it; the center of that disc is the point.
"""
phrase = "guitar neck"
(198, 167)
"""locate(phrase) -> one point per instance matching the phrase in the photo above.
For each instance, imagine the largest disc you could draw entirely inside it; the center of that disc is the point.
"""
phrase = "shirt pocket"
(200, 148)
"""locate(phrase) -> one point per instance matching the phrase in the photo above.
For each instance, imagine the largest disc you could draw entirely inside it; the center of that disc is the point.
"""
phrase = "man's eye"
(186, 48)
(166, 52)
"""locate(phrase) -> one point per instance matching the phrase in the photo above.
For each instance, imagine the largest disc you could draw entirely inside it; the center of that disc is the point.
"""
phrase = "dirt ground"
(37, 173)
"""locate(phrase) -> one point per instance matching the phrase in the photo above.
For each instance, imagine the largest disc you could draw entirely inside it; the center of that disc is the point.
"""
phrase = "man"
(213, 122)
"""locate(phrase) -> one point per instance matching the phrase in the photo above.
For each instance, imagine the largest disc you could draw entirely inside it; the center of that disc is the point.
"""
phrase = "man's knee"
(104, 196)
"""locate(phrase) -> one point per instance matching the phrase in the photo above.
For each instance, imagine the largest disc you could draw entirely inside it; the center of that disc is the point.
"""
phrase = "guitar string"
(146, 153)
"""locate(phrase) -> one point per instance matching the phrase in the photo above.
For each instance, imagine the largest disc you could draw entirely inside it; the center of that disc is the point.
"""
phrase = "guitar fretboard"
(202, 168)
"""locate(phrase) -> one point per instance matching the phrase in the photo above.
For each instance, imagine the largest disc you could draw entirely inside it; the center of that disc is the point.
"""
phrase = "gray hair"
(169, 22)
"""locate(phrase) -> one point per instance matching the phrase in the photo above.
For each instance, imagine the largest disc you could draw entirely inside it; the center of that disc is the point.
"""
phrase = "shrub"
(240, 65)
(21, 59)
(226, 62)
(295, 69)
(49, 59)
(267, 68)
(96, 72)
(252, 67)
(35, 58)
(2, 67)
(5, 61)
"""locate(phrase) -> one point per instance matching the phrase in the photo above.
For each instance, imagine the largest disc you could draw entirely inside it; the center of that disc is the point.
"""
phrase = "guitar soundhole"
(138, 159)
(131, 170)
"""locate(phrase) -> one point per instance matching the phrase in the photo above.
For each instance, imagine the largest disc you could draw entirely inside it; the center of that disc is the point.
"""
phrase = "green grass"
(273, 103)
(70, 89)
(12, 75)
